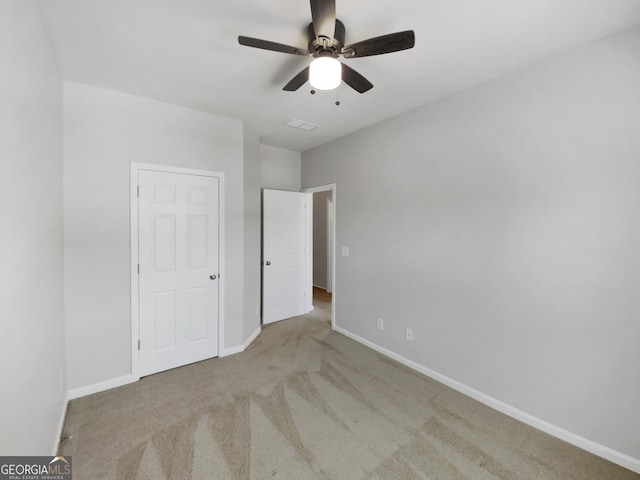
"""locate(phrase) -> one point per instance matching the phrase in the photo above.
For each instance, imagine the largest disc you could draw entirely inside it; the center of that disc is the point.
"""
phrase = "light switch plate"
(345, 251)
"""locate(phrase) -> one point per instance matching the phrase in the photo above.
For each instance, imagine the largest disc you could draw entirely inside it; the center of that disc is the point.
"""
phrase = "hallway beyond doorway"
(322, 303)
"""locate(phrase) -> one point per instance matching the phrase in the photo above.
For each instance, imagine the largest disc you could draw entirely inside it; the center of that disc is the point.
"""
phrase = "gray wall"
(501, 225)
(252, 229)
(320, 238)
(31, 250)
(279, 168)
(105, 131)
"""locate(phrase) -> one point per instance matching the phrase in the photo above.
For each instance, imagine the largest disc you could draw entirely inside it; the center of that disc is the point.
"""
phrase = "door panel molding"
(197, 198)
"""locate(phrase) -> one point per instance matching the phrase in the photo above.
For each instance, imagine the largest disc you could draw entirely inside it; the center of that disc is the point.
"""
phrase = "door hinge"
(138, 190)
(138, 269)
(138, 344)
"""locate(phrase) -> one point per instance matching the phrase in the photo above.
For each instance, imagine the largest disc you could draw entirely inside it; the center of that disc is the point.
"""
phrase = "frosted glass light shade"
(325, 73)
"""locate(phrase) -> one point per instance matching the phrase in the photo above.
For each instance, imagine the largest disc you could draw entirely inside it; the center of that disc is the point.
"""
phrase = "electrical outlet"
(380, 324)
(409, 334)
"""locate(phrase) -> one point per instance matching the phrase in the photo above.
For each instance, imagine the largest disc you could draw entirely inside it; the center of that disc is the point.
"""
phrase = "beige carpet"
(304, 402)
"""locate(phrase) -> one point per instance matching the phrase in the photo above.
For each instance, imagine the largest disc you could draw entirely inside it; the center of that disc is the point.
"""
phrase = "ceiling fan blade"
(296, 82)
(273, 46)
(392, 42)
(323, 13)
(355, 80)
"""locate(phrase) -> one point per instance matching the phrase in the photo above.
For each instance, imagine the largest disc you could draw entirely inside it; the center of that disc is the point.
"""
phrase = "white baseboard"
(241, 348)
(621, 459)
(126, 379)
(100, 386)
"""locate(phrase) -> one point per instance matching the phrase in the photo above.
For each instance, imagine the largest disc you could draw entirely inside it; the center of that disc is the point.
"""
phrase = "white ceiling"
(186, 52)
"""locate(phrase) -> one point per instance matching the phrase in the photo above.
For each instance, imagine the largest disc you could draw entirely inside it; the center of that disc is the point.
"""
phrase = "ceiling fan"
(326, 43)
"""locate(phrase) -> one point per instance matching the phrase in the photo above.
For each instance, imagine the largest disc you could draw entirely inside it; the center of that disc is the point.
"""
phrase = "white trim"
(332, 188)
(320, 188)
(243, 347)
(127, 379)
(329, 240)
(59, 430)
(221, 260)
(308, 290)
(135, 320)
(100, 386)
(172, 169)
(558, 432)
(135, 255)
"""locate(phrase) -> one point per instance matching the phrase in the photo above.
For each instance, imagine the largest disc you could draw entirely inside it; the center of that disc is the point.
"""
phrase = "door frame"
(135, 259)
(332, 188)
(329, 240)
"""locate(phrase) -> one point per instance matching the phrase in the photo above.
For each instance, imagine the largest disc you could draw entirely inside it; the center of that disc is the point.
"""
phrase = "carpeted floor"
(304, 402)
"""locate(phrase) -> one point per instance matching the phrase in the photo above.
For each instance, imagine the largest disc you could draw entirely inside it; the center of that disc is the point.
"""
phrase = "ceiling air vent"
(301, 124)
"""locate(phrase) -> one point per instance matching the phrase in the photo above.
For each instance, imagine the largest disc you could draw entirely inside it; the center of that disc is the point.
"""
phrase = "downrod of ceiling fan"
(327, 46)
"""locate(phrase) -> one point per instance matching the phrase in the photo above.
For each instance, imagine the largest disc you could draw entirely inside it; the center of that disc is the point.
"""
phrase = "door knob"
(213, 277)
(267, 262)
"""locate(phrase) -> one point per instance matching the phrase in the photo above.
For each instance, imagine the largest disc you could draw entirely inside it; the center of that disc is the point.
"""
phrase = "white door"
(178, 281)
(286, 254)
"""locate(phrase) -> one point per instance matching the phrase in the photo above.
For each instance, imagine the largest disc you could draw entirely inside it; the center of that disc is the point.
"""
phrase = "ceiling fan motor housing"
(324, 46)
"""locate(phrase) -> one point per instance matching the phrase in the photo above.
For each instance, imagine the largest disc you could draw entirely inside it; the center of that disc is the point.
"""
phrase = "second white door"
(178, 272)
(286, 235)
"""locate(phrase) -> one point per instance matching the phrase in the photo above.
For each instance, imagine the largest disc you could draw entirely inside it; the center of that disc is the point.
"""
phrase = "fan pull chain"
(337, 97)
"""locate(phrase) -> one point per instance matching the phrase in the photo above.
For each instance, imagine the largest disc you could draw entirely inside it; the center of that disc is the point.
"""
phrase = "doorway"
(324, 203)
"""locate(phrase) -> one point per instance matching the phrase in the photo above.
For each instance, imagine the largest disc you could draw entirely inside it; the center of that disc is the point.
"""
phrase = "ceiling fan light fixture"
(325, 73)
